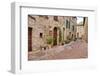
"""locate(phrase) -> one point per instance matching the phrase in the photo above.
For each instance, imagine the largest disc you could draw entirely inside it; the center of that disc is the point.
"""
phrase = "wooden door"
(29, 39)
(55, 36)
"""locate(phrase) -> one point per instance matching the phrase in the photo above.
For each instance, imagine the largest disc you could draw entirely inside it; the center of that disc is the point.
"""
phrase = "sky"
(79, 19)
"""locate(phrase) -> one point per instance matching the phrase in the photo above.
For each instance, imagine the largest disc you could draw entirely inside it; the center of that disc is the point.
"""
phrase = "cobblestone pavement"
(73, 50)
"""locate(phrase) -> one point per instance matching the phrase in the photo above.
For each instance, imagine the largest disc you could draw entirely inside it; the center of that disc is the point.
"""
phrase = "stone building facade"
(55, 29)
(86, 28)
(80, 31)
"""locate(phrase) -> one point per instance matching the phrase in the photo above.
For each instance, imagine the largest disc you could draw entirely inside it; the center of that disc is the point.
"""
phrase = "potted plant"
(49, 41)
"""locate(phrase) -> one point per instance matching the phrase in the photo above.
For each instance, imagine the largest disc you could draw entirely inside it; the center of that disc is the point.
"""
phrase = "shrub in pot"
(49, 41)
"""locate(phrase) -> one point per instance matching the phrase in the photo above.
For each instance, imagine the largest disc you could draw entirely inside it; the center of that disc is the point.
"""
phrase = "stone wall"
(45, 25)
(86, 29)
(80, 31)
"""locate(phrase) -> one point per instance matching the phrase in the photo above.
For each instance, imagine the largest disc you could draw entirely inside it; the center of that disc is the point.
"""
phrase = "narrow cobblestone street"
(73, 50)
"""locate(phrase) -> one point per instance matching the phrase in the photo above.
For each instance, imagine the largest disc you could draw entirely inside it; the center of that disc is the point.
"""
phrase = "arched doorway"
(55, 36)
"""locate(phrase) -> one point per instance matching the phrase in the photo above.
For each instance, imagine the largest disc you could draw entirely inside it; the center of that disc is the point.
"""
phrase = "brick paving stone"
(73, 50)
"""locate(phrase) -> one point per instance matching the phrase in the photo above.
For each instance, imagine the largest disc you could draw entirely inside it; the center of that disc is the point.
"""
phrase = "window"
(56, 18)
(44, 16)
(74, 17)
(66, 23)
(73, 28)
(40, 15)
(41, 35)
(69, 24)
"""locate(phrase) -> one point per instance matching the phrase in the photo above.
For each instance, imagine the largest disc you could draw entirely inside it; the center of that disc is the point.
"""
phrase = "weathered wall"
(45, 25)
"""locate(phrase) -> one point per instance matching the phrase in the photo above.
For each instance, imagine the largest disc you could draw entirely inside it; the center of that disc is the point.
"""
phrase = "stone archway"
(55, 36)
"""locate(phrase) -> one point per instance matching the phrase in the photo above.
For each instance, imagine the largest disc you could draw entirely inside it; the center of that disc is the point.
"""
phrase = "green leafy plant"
(49, 40)
(68, 40)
